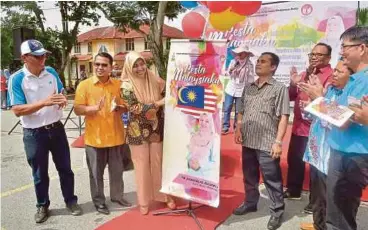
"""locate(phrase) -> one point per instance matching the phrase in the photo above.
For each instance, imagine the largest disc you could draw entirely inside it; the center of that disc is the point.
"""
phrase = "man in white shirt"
(35, 95)
(241, 71)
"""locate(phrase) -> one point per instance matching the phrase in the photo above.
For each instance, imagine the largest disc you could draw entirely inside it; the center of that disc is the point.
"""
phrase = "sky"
(53, 18)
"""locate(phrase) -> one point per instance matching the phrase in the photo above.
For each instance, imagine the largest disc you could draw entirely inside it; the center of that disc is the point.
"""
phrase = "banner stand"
(189, 211)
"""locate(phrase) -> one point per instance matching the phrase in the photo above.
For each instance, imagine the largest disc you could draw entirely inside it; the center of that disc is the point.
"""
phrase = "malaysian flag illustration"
(195, 100)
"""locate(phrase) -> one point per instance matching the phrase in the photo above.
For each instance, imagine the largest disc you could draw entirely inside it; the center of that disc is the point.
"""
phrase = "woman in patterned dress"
(144, 93)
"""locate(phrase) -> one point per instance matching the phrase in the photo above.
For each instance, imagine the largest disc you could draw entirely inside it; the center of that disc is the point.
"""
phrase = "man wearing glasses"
(35, 95)
(347, 175)
(98, 99)
(319, 65)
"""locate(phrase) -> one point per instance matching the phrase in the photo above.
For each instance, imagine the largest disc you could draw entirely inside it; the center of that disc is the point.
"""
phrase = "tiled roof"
(111, 32)
(121, 56)
(82, 57)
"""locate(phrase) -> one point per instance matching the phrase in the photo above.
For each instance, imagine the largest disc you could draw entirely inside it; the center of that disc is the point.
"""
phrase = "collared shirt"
(354, 139)
(104, 129)
(25, 88)
(262, 108)
(301, 126)
(238, 79)
(317, 152)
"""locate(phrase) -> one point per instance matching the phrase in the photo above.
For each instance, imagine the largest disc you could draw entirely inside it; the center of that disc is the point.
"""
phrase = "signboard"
(194, 91)
(290, 30)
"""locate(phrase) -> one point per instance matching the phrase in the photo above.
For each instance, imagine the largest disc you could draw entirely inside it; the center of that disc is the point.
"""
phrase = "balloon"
(217, 7)
(204, 3)
(225, 20)
(189, 4)
(193, 24)
(246, 8)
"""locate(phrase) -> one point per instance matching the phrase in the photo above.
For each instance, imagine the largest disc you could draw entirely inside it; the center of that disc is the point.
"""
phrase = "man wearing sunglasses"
(98, 99)
(347, 174)
(35, 95)
(319, 65)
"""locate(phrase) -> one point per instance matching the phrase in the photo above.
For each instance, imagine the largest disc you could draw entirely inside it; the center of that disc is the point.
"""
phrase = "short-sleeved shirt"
(104, 129)
(26, 88)
(262, 108)
(354, 139)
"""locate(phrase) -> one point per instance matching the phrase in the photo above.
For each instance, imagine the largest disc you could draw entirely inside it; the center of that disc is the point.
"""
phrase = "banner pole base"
(189, 211)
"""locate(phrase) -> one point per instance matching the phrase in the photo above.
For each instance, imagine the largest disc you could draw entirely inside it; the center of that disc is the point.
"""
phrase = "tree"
(60, 42)
(362, 17)
(133, 14)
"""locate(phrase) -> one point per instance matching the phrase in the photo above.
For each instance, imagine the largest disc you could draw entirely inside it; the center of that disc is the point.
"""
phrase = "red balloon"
(246, 8)
(204, 3)
(218, 7)
(193, 24)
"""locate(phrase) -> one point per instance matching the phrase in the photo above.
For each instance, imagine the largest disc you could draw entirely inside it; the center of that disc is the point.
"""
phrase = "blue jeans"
(228, 106)
(37, 144)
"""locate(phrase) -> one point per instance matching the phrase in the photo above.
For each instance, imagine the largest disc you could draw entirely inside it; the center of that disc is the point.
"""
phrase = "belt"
(50, 126)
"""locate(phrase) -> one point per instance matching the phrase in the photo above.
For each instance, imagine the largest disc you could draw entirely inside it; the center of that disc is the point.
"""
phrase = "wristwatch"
(278, 142)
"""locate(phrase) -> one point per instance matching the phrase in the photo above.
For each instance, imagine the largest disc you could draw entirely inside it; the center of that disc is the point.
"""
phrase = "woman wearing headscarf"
(144, 93)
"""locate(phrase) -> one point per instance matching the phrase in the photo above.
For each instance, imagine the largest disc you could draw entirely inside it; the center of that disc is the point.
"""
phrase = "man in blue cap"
(35, 95)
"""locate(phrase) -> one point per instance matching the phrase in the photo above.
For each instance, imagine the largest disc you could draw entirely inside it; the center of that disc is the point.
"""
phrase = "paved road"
(18, 198)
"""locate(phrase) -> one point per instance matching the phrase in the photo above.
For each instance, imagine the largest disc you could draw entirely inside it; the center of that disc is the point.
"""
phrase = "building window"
(77, 48)
(146, 46)
(89, 47)
(168, 43)
(129, 44)
(90, 67)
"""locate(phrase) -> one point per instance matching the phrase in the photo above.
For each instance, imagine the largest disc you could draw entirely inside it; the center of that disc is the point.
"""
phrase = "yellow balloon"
(225, 20)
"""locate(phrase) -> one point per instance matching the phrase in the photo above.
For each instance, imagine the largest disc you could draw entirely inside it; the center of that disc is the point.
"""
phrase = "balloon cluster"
(222, 15)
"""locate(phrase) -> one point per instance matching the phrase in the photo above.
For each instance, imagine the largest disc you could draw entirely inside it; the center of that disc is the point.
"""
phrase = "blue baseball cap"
(33, 47)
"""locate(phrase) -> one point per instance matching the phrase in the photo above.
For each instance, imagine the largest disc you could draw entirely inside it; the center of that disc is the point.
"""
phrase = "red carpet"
(231, 195)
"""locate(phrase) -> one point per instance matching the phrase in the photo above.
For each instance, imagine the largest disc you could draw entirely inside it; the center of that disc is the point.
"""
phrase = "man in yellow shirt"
(98, 99)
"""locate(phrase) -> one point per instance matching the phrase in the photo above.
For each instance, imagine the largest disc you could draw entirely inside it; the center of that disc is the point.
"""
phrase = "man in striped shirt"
(262, 122)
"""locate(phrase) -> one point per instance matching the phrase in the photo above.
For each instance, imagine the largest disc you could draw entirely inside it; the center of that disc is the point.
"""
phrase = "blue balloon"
(189, 4)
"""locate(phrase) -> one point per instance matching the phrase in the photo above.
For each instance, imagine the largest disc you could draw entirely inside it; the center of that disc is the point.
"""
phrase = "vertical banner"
(290, 29)
(194, 91)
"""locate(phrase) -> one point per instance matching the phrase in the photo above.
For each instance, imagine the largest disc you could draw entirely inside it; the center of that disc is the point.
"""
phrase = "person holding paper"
(319, 65)
(262, 122)
(241, 72)
(104, 135)
(144, 93)
(317, 152)
(347, 174)
(35, 95)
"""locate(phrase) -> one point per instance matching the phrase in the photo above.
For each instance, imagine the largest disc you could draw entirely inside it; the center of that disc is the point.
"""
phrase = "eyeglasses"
(343, 47)
(318, 55)
(103, 65)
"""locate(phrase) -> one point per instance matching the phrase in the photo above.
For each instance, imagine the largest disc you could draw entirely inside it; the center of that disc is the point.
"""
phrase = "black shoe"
(102, 208)
(244, 209)
(42, 214)
(274, 223)
(122, 202)
(308, 209)
(74, 209)
(288, 195)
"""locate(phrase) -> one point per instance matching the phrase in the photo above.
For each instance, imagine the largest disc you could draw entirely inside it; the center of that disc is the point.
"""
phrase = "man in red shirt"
(319, 60)
(3, 89)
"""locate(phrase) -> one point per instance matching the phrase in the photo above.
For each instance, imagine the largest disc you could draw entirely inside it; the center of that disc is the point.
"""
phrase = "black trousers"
(252, 160)
(346, 178)
(318, 198)
(296, 165)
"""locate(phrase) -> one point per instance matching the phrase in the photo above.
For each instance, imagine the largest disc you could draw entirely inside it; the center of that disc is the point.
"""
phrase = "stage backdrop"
(290, 30)
(194, 91)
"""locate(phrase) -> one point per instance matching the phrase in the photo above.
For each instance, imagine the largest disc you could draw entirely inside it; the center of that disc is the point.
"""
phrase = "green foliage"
(362, 17)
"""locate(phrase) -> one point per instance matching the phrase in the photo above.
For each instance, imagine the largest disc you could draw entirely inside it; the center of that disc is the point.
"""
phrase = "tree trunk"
(155, 38)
